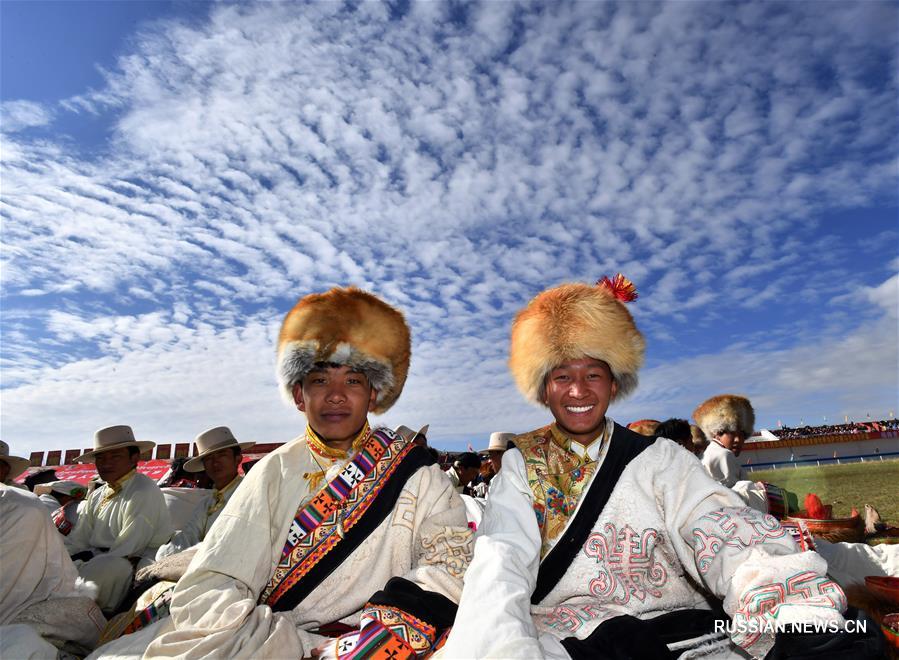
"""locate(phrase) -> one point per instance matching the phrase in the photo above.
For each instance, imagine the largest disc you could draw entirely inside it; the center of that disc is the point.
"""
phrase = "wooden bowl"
(884, 587)
(835, 530)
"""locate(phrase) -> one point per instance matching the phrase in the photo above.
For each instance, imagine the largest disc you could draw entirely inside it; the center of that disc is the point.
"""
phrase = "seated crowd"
(580, 539)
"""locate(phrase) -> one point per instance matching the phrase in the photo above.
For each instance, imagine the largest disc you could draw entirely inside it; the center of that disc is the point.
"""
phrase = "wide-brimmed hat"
(17, 464)
(114, 437)
(409, 434)
(346, 326)
(725, 412)
(211, 441)
(575, 321)
(499, 441)
(70, 488)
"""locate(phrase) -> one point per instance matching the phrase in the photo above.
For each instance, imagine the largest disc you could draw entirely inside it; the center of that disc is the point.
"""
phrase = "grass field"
(844, 486)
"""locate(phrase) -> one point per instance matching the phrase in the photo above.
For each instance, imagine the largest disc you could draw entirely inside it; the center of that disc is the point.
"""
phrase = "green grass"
(844, 486)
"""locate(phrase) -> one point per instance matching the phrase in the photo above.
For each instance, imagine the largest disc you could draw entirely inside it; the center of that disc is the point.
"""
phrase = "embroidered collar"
(317, 445)
(587, 453)
(218, 496)
(114, 488)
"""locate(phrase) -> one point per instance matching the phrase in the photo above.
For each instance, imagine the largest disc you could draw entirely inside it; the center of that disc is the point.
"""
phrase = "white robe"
(215, 610)
(666, 529)
(200, 521)
(723, 466)
(36, 572)
(134, 523)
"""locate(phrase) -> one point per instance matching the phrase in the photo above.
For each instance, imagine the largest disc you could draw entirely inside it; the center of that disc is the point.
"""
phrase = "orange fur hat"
(574, 321)
(725, 412)
(346, 326)
(644, 426)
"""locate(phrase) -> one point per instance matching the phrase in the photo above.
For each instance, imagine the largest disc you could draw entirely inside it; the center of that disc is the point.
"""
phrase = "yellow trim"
(321, 448)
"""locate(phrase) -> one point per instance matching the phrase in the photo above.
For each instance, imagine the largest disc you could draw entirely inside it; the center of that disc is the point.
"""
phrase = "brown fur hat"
(644, 426)
(346, 326)
(725, 412)
(570, 322)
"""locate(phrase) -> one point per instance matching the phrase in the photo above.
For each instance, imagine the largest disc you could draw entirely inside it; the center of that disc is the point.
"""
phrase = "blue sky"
(176, 175)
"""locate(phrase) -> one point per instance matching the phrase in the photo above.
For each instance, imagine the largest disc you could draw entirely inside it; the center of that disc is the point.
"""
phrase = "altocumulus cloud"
(456, 160)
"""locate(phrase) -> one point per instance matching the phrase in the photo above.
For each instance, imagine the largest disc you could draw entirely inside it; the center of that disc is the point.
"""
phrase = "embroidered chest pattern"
(557, 479)
(626, 566)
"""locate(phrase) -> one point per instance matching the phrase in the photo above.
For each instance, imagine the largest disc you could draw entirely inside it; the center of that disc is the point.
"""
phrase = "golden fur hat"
(725, 412)
(574, 321)
(346, 326)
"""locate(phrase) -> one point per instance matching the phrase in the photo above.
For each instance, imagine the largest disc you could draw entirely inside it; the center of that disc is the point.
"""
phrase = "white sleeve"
(742, 556)
(503, 573)
(192, 532)
(721, 464)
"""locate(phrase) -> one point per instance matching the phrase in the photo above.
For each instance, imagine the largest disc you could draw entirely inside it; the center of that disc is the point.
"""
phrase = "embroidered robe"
(215, 609)
(667, 536)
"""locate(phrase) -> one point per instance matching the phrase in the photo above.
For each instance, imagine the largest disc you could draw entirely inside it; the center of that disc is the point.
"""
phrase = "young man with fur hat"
(347, 526)
(727, 420)
(599, 542)
(123, 522)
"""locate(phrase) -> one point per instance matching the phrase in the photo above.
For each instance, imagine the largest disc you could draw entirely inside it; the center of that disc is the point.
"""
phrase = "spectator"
(463, 471)
(677, 430)
(496, 447)
(39, 477)
(63, 499)
(123, 523)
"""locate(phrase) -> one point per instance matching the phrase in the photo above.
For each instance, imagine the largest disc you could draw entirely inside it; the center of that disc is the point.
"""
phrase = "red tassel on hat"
(620, 287)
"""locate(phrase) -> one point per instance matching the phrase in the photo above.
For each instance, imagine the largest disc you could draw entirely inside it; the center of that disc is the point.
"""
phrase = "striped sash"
(331, 525)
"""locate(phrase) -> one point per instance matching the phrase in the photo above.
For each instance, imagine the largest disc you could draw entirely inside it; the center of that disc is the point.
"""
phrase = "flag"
(846, 418)
(470, 448)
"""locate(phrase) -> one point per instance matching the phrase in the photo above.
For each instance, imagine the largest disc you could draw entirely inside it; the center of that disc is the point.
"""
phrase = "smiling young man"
(599, 542)
(347, 528)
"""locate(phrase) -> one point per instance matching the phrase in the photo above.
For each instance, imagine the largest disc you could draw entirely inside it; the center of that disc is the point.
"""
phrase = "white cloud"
(18, 115)
(279, 149)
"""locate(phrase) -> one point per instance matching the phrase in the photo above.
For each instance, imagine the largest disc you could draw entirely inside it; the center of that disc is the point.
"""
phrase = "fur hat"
(17, 464)
(346, 326)
(574, 321)
(644, 427)
(114, 437)
(725, 412)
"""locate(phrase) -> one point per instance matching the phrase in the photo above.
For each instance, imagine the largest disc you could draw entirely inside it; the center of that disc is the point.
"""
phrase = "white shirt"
(133, 523)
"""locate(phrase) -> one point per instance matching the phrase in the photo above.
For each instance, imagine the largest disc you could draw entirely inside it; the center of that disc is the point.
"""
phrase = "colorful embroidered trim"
(418, 634)
(374, 641)
(798, 530)
(321, 524)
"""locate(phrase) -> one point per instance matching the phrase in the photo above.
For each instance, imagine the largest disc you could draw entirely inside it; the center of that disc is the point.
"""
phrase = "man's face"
(467, 474)
(496, 458)
(336, 401)
(578, 393)
(732, 440)
(114, 464)
(221, 466)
